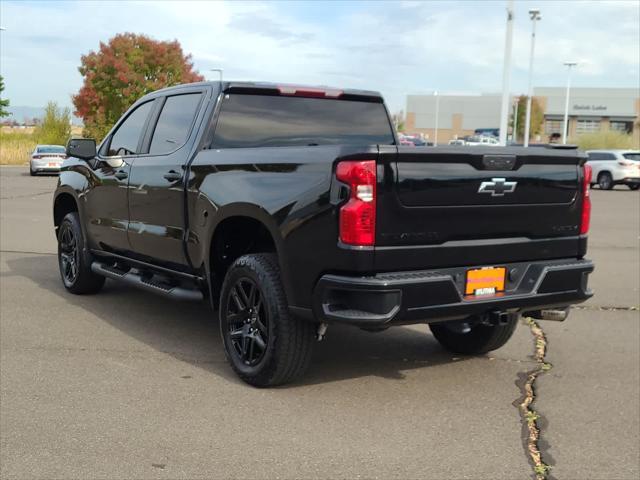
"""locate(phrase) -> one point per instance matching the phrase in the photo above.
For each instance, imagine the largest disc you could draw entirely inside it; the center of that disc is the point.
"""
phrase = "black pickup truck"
(293, 208)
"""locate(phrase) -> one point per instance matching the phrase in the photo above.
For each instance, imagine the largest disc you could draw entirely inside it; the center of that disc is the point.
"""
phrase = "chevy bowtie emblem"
(497, 187)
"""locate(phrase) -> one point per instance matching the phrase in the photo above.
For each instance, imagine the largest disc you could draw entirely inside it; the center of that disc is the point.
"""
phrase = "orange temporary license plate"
(485, 281)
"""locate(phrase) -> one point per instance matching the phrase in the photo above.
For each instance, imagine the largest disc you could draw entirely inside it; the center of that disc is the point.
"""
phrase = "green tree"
(55, 128)
(4, 103)
(124, 69)
(537, 117)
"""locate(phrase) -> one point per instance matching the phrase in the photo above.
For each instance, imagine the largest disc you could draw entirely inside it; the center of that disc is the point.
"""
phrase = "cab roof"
(285, 89)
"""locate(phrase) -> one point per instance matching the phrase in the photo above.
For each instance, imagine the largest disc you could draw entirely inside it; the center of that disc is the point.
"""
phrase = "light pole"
(219, 70)
(565, 124)
(435, 133)
(506, 75)
(534, 15)
(514, 135)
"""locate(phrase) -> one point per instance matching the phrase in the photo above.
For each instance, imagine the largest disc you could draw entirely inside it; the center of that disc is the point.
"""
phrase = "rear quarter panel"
(288, 189)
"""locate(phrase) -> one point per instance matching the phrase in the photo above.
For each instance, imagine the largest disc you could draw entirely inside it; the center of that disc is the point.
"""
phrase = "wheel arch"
(240, 229)
(63, 203)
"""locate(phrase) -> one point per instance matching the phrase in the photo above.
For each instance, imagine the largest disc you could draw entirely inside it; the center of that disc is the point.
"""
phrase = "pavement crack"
(531, 419)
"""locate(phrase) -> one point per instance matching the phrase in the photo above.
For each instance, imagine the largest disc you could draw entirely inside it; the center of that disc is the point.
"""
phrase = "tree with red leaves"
(123, 70)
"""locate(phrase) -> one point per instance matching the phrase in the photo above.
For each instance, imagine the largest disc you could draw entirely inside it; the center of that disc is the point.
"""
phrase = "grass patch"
(16, 147)
(598, 140)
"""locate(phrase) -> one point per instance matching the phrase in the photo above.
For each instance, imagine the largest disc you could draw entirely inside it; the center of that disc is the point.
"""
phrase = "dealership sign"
(590, 108)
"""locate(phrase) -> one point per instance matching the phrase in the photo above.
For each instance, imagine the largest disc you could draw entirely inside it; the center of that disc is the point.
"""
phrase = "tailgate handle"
(499, 162)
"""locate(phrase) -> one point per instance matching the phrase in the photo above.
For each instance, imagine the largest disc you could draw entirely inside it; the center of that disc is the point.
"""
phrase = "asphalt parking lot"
(125, 384)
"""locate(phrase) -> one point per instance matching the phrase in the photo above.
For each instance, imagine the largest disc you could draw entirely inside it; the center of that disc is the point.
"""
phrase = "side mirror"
(84, 148)
(114, 162)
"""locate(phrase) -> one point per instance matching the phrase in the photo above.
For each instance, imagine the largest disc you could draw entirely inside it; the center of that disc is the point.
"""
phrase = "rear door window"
(276, 121)
(632, 156)
(127, 138)
(174, 123)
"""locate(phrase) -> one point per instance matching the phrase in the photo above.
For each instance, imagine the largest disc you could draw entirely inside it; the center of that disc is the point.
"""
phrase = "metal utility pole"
(514, 135)
(219, 70)
(534, 14)
(506, 75)
(565, 124)
(435, 134)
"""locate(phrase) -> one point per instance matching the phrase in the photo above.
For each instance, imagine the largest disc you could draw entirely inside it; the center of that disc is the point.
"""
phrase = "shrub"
(55, 128)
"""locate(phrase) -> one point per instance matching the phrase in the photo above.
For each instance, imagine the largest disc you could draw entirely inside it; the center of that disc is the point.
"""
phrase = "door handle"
(121, 175)
(173, 176)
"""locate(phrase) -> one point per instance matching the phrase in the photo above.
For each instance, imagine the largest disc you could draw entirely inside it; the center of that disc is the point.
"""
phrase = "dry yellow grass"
(15, 147)
(606, 140)
(16, 144)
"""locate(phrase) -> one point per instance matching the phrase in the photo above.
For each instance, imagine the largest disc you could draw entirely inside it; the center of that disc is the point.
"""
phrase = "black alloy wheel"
(69, 254)
(247, 321)
(73, 260)
(264, 343)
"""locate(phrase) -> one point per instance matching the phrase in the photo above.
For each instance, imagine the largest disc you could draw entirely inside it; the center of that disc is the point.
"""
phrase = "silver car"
(46, 159)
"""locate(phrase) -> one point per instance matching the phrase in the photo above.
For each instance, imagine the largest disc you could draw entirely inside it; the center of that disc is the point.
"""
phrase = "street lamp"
(534, 15)
(514, 135)
(219, 70)
(565, 124)
(506, 75)
(435, 133)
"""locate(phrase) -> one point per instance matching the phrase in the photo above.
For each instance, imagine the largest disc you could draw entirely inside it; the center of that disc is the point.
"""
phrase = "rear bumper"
(436, 295)
(43, 167)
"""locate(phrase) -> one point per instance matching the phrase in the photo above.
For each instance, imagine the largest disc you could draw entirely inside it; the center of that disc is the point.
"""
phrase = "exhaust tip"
(555, 315)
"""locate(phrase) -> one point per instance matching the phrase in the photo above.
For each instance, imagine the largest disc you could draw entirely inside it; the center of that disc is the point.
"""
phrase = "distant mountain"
(20, 112)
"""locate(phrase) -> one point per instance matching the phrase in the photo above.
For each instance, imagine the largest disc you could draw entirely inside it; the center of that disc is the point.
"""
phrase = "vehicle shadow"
(189, 331)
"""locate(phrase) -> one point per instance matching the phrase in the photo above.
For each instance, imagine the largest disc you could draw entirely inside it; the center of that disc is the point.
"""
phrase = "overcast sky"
(398, 48)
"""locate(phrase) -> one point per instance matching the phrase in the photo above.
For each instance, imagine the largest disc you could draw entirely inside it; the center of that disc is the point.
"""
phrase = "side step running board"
(134, 279)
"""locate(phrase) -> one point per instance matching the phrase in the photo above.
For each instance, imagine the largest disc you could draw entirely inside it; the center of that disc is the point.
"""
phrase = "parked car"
(417, 141)
(487, 132)
(404, 140)
(615, 167)
(482, 140)
(46, 158)
(291, 209)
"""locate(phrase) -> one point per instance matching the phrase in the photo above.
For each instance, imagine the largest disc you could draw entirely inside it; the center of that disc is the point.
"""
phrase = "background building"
(590, 110)
(458, 115)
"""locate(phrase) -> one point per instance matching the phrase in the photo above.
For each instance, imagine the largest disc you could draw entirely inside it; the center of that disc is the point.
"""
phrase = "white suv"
(614, 167)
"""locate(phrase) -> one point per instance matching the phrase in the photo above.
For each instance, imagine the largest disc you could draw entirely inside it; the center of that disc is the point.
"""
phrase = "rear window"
(51, 149)
(632, 156)
(247, 121)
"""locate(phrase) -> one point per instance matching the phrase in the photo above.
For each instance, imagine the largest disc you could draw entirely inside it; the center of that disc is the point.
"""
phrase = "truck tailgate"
(449, 206)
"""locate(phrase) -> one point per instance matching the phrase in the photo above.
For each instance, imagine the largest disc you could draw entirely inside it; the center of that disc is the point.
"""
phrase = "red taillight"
(586, 200)
(358, 215)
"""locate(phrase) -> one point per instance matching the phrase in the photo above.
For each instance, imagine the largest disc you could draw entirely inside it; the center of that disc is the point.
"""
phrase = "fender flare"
(255, 212)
